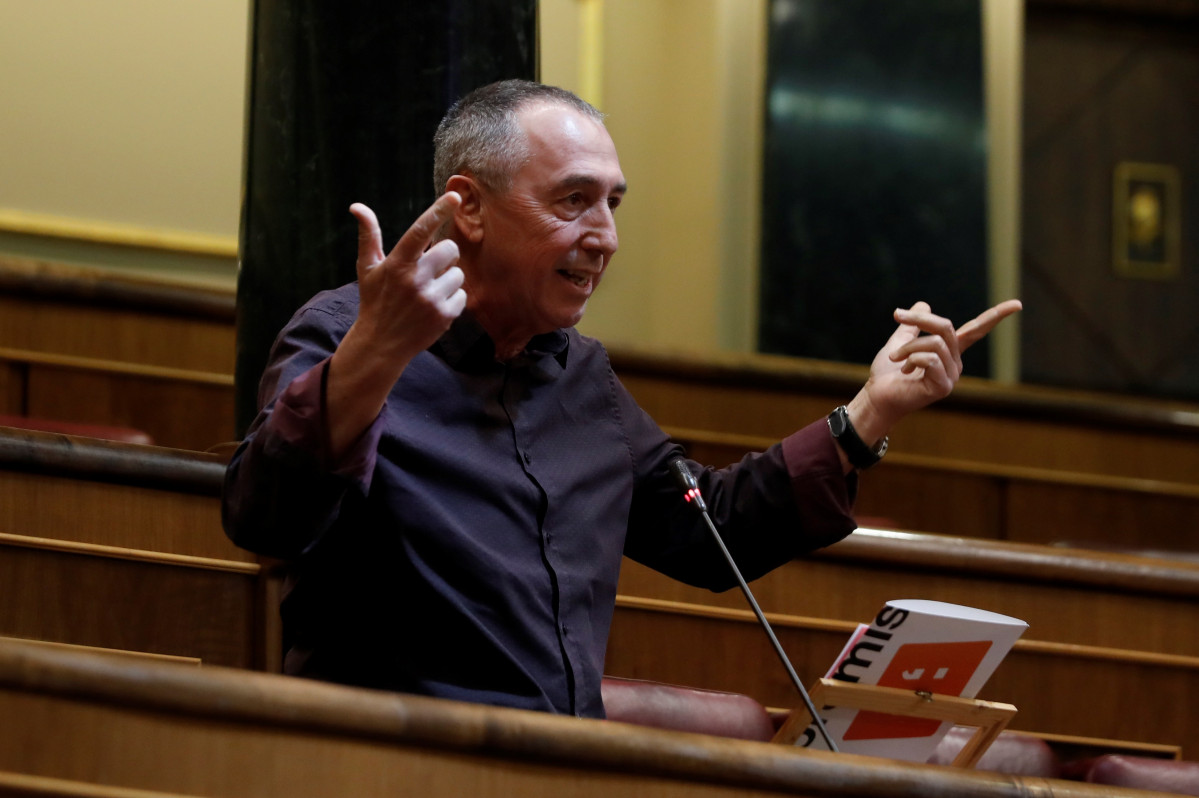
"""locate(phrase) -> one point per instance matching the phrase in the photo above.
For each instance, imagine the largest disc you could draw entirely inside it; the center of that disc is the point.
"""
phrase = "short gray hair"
(480, 134)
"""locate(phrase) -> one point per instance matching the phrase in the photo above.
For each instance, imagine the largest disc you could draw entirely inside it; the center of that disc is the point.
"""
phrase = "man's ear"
(468, 219)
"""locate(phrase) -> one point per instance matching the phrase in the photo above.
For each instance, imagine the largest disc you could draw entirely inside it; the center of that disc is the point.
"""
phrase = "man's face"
(547, 241)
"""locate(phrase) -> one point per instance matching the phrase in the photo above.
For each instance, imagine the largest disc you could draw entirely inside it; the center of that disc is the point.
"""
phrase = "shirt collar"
(467, 347)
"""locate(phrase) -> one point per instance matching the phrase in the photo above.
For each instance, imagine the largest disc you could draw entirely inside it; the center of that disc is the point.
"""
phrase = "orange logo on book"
(942, 668)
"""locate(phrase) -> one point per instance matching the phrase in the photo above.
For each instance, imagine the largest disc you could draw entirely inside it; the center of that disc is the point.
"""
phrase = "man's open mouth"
(578, 278)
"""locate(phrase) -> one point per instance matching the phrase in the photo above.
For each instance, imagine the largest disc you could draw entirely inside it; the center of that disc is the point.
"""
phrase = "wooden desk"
(92, 725)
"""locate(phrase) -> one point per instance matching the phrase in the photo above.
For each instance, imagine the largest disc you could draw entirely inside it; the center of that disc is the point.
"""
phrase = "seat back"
(1144, 773)
(1012, 753)
(105, 432)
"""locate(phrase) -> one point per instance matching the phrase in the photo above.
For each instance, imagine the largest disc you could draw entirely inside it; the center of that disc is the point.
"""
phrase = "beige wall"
(123, 120)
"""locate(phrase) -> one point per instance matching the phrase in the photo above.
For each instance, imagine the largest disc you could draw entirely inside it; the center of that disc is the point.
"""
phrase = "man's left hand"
(920, 363)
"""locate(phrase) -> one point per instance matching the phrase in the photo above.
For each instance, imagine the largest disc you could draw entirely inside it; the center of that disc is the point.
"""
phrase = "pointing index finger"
(976, 329)
(418, 237)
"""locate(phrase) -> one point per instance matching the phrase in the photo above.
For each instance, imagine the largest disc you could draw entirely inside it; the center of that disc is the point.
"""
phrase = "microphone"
(686, 480)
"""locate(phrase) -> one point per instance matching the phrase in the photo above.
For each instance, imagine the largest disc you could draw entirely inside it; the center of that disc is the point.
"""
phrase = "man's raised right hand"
(411, 296)
(407, 299)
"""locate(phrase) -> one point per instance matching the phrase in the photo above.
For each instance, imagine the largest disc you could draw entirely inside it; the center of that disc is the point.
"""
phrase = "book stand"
(989, 717)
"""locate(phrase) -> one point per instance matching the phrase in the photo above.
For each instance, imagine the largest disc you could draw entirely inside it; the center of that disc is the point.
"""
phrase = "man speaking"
(453, 472)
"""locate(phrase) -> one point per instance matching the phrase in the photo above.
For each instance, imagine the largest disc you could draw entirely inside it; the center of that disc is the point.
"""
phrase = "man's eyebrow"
(587, 181)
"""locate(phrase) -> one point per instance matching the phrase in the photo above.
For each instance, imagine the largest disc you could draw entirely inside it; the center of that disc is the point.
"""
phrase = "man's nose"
(601, 233)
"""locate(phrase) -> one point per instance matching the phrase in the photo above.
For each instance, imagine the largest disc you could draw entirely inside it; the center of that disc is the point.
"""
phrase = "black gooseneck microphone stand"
(687, 482)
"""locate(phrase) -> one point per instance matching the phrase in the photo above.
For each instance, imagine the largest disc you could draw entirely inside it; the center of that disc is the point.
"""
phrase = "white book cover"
(913, 644)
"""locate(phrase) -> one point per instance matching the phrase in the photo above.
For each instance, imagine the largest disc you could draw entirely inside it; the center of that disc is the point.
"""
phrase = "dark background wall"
(1105, 83)
(874, 186)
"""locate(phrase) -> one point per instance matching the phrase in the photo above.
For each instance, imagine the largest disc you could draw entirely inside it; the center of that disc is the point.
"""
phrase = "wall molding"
(115, 234)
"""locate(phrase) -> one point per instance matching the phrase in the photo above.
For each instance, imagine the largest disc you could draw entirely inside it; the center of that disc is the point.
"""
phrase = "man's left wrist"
(860, 454)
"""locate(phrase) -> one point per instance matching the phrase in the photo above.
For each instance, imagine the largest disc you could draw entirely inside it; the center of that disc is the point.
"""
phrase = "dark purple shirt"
(469, 545)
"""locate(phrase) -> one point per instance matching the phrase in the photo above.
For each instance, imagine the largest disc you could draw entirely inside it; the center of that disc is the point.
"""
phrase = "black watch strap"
(860, 455)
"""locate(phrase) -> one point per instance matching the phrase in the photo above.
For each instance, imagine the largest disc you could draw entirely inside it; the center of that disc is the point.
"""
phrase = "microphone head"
(682, 474)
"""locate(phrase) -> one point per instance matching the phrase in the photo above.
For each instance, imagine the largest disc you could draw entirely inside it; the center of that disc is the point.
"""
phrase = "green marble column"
(342, 102)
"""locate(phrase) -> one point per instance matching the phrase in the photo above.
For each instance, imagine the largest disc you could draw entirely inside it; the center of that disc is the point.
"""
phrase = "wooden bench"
(1008, 462)
(1006, 502)
(85, 346)
(119, 546)
(981, 422)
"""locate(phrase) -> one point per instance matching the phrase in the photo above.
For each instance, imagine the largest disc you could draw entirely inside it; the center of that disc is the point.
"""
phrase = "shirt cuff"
(299, 424)
(817, 477)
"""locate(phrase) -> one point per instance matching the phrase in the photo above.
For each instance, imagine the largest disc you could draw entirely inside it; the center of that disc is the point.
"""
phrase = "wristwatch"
(860, 455)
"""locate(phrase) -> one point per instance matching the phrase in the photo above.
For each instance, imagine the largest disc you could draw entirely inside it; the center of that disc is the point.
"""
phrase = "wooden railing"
(98, 726)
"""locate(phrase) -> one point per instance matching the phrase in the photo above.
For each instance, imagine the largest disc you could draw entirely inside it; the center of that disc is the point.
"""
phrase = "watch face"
(837, 423)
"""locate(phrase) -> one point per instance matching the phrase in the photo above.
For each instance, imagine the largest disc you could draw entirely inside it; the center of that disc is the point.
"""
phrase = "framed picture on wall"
(1146, 213)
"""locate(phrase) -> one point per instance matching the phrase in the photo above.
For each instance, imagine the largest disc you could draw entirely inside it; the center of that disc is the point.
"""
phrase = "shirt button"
(565, 631)
(528, 458)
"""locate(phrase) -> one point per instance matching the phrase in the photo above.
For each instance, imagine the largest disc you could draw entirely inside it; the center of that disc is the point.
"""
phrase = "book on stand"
(913, 644)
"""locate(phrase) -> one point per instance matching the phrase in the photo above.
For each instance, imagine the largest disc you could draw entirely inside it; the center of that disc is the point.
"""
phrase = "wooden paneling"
(980, 423)
(1031, 505)
(12, 388)
(142, 605)
(120, 546)
(176, 411)
(142, 656)
(113, 514)
(1048, 512)
(1056, 688)
(117, 333)
(1106, 83)
(93, 720)
(946, 502)
(1066, 596)
(1018, 503)
(80, 345)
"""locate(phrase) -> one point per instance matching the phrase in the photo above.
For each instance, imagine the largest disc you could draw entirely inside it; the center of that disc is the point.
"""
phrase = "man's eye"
(614, 202)
(575, 199)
